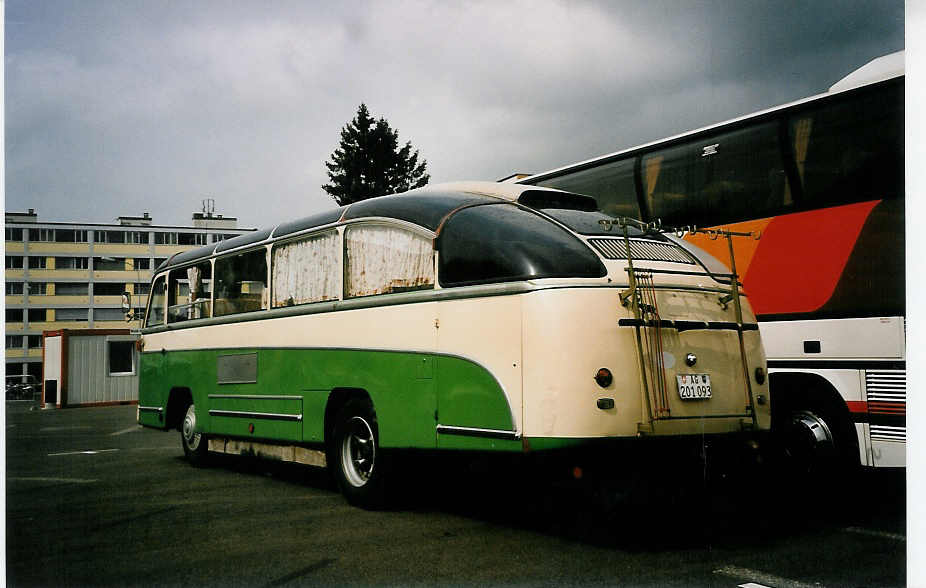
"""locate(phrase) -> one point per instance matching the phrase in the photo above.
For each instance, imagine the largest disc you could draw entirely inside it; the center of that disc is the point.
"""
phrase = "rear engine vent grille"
(639, 249)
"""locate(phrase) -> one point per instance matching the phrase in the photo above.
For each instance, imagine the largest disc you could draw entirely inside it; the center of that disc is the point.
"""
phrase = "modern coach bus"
(823, 180)
(483, 317)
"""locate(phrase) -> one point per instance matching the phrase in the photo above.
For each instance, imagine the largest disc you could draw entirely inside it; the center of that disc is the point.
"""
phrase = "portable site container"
(85, 367)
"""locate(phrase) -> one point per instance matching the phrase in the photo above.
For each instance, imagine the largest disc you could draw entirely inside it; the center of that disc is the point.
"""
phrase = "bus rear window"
(503, 243)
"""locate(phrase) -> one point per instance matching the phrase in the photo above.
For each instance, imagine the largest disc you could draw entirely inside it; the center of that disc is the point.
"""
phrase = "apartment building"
(63, 275)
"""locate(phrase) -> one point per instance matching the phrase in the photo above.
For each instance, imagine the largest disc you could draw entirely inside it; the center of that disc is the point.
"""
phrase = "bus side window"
(718, 178)
(306, 271)
(240, 282)
(383, 259)
(852, 147)
(189, 292)
(156, 304)
(611, 184)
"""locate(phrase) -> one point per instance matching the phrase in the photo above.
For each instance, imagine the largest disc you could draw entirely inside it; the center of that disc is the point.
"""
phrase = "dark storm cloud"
(118, 108)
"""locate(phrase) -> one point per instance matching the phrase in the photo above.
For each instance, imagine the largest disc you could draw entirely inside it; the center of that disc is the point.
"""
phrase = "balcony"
(14, 274)
(15, 352)
(14, 247)
(14, 301)
(50, 275)
(82, 249)
(122, 249)
(52, 301)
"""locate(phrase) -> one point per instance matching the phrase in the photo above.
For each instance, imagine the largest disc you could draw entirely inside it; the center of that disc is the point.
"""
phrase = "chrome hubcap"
(190, 436)
(810, 438)
(358, 452)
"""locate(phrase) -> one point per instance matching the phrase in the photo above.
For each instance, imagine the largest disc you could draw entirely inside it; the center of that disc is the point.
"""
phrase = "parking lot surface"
(93, 499)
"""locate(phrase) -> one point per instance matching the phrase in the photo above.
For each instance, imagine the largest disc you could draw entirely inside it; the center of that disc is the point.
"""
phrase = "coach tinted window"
(611, 184)
(503, 243)
(241, 283)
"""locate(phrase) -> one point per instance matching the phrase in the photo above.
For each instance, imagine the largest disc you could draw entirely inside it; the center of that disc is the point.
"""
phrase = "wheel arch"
(794, 391)
(177, 400)
(337, 398)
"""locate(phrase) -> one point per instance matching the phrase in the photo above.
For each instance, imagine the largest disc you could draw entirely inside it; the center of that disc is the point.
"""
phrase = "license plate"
(693, 386)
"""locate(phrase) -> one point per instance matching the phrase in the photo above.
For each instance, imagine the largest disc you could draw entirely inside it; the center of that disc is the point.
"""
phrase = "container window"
(121, 358)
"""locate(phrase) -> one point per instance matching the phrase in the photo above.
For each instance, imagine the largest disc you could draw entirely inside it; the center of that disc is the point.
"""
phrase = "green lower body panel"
(284, 394)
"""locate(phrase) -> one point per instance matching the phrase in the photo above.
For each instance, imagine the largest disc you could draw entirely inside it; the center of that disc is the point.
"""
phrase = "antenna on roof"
(208, 206)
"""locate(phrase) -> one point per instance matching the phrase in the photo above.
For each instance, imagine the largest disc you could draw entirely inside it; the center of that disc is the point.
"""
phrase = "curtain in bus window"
(383, 259)
(199, 279)
(306, 271)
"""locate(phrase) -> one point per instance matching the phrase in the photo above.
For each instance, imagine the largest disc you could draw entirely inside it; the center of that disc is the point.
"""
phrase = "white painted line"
(131, 429)
(58, 480)
(74, 428)
(875, 533)
(766, 579)
(89, 452)
(752, 585)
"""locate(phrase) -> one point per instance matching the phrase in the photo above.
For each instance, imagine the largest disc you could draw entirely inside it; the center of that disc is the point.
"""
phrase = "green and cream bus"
(477, 316)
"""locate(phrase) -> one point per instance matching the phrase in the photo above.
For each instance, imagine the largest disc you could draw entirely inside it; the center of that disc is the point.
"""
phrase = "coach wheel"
(355, 457)
(195, 445)
(810, 443)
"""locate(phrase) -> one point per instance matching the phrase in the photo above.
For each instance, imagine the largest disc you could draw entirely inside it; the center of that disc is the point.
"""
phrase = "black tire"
(354, 456)
(195, 445)
(818, 445)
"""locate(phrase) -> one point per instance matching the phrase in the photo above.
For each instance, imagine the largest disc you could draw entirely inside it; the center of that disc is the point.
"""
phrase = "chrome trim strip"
(157, 409)
(256, 415)
(256, 396)
(476, 432)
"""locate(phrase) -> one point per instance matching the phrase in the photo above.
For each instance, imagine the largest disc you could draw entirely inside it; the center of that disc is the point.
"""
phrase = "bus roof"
(425, 207)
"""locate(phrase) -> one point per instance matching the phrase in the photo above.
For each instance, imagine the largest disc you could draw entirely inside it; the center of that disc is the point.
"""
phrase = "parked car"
(22, 387)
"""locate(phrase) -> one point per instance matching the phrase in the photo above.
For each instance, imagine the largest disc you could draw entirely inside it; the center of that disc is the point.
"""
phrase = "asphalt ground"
(94, 500)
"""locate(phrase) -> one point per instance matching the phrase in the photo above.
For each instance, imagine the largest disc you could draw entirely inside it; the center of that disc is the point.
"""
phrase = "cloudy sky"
(123, 107)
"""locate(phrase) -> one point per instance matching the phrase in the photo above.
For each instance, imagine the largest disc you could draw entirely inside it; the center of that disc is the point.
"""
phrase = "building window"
(216, 237)
(108, 314)
(70, 289)
(14, 234)
(142, 289)
(14, 288)
(108, 289)
(70, 236)
(109, 236)
(165, 238)
(109, 264)
(14, 315)
(137, 237)
(68, 315)
(36, 288)
(34, 341)
(158, 261)
(37, 262)
(142, 263)
(72, 263)
(192, 238)
(14, 341)
(14, 262)
(41, 234)
(121, 357)
(39, 315)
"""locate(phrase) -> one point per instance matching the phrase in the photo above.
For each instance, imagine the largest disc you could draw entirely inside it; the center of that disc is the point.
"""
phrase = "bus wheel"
(354, 455)
(195, 445)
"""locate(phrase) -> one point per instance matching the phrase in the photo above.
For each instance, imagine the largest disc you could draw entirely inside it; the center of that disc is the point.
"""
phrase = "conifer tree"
(368, 162)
